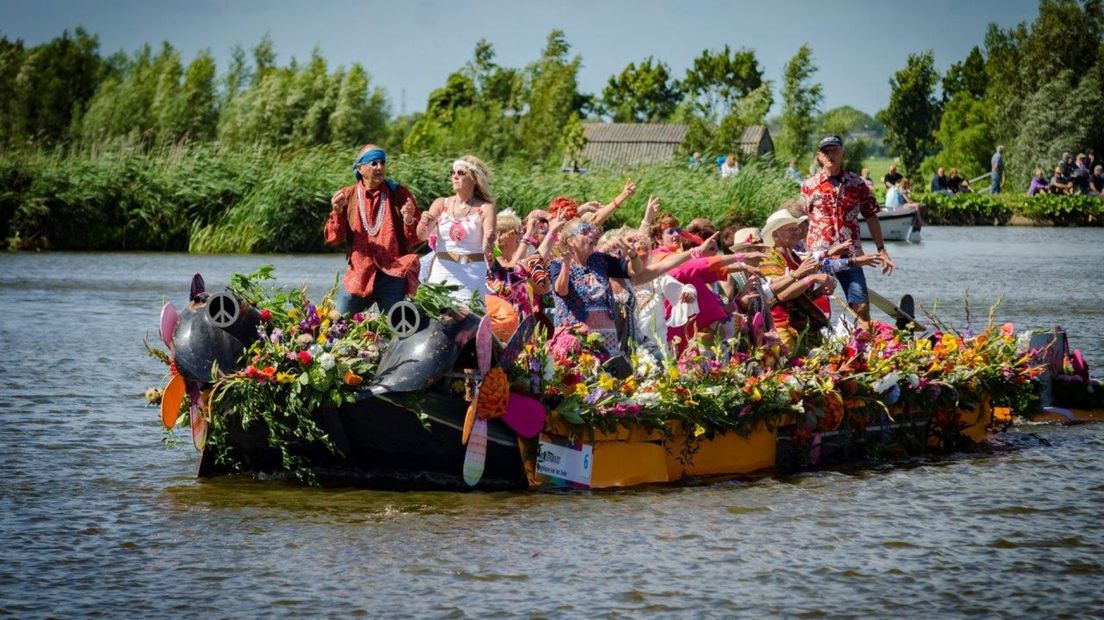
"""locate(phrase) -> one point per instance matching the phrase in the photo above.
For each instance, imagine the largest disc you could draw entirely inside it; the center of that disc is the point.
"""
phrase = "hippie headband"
(367, 158)
(467, 165)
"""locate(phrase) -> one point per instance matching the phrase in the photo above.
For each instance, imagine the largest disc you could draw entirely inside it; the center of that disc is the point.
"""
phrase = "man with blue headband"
(376, 219)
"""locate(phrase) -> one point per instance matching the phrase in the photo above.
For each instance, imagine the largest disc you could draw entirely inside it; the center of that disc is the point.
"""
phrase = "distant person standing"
(695, 160)
(1098, 179)
(996, 167)
(865, 176)
(834, 200)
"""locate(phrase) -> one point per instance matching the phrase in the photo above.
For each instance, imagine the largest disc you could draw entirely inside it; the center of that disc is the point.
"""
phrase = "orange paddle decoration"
(171, 399)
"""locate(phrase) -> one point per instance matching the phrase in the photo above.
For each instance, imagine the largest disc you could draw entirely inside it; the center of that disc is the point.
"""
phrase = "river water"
(98, 516)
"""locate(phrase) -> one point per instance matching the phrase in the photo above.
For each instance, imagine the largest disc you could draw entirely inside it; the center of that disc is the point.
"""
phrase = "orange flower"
(352, 379)
(267, 374)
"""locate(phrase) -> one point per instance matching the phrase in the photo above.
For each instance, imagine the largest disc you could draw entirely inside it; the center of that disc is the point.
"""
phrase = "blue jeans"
(853, 283)
(388, 291)
(994, 187)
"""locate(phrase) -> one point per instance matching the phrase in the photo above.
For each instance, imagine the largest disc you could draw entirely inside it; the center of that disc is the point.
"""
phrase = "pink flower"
(457, 232)
(1007, 331)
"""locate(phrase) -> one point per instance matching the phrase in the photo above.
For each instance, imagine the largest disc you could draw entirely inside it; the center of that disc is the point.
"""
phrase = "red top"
(834, 205)
(390, 250)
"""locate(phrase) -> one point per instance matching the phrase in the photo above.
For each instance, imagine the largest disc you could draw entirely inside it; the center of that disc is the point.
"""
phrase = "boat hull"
(901, 224)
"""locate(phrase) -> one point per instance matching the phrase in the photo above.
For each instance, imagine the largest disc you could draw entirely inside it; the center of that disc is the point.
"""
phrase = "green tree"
(360, 115)
(642, 94)
(552, 96)
(912, 114)
(166, 110)
(1057, 117)
(800, 101)
(968, 75)
(198, 104)
(50, 84)
(716, 81)
(965, 136)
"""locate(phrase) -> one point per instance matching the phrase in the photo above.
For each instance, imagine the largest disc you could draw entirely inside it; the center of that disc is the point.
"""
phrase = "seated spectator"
(1082, 175)
(939, 183)
(954, 181)
(1038, 184)
(865, 176)
(898, 196)
(1060, 183)
(1066, 164)
(730, 167)
(1098, 179)
(892, 177)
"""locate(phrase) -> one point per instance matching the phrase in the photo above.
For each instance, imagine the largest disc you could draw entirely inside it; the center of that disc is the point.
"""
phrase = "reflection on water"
(99, 517)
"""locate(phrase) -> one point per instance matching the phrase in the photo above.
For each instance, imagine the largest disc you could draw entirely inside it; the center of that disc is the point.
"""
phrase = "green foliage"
(716, 81)
(966, 77)
(965, 137)
(552, 96)
(644, 94)
(43, 88)
(1058, 117)
(912, 114)
(209, 199)
(800, 101)
(972, 209)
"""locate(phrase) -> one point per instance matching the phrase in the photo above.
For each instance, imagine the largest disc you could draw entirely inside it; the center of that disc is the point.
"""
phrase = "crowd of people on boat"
(650, 288)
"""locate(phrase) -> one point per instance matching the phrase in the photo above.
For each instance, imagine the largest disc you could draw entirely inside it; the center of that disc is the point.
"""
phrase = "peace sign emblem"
(403, 318)
(222, 310)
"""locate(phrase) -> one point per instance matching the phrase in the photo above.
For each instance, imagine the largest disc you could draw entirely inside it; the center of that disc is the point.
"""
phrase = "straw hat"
(779, 219)
(746, 239)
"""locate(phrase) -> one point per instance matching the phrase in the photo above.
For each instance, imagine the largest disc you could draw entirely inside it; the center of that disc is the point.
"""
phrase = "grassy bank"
(983, 209)
(212, 199)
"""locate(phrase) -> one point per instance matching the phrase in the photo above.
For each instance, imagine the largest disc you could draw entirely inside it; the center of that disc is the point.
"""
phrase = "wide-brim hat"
(746, 239)
(779, 219)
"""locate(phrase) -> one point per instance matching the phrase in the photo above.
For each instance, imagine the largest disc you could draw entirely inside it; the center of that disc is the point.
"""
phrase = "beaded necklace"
(377, 223)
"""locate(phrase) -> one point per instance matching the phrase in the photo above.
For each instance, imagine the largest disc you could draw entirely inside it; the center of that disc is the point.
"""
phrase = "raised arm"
(490, 223)
(429, 219)
(606, 211)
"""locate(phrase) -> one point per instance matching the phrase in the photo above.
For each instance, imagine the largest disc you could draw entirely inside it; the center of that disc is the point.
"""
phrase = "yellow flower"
(699, 430)
(672, 373)
(581, 390)
(935, 367)
(923, 344)
(325, 324)
(605, 382)
(322, 338)
(294, 313)
(285, 377)
(949, 342)
(756, 395)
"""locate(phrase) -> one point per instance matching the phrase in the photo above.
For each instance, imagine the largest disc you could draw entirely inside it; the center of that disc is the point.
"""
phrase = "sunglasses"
(375, 164)
(459, 173)
(672, 231)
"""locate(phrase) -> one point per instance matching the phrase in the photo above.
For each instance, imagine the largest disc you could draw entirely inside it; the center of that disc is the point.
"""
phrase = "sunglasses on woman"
(672, 231)
(458, 173)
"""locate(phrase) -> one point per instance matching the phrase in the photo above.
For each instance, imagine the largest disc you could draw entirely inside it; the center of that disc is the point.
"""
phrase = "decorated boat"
(433, 397)
(898, 224)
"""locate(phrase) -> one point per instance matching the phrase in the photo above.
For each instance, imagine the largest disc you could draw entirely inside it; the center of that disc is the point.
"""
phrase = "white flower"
(327, 360)
(315, 350)
(887, 382)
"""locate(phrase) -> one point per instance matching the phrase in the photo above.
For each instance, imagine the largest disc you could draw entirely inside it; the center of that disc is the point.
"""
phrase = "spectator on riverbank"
(865, 176)
(695, 160)
(939, 183)
(1060, 183)
(730, 167)
(1066, 164)
(376, 219)
(1082, 175)
(996, 169)
(898, 195)
(892, 177)
(955, 182)
(1038, 184)
(1098, 179)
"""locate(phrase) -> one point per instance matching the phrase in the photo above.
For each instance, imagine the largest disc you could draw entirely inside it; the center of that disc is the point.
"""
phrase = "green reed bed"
(208, 198)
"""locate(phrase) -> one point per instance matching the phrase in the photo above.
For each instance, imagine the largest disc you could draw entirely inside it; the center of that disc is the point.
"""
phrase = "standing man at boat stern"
(833, 199)
(376, 219)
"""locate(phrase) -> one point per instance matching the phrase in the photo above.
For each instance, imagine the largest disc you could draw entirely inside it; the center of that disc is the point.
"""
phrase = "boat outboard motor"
(419, 358)
(213, 329)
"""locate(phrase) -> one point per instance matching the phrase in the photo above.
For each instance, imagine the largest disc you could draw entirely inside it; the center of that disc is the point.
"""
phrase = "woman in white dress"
(464, 225)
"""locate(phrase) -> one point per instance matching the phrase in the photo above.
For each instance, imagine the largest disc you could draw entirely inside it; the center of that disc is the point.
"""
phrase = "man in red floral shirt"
(834, 199)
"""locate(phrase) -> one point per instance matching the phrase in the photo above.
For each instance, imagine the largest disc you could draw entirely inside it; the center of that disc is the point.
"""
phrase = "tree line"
(1037, 89)
(66, 92)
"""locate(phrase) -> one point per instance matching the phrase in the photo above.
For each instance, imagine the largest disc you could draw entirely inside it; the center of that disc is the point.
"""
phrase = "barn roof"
(625, 143)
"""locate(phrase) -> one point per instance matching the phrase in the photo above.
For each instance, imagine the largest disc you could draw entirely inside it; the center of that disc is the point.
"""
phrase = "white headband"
(467, 165)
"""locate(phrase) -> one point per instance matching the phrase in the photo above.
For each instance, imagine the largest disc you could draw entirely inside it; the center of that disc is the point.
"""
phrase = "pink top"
(700, 273)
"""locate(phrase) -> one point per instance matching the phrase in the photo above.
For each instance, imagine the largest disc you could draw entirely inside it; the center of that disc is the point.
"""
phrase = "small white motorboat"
(898, 224)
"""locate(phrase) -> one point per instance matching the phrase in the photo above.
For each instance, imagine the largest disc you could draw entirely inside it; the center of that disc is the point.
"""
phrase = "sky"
(410, 47)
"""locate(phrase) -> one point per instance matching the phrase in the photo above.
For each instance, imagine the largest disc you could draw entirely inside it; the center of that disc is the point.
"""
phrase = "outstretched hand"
(339, 201)
(408, 211)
